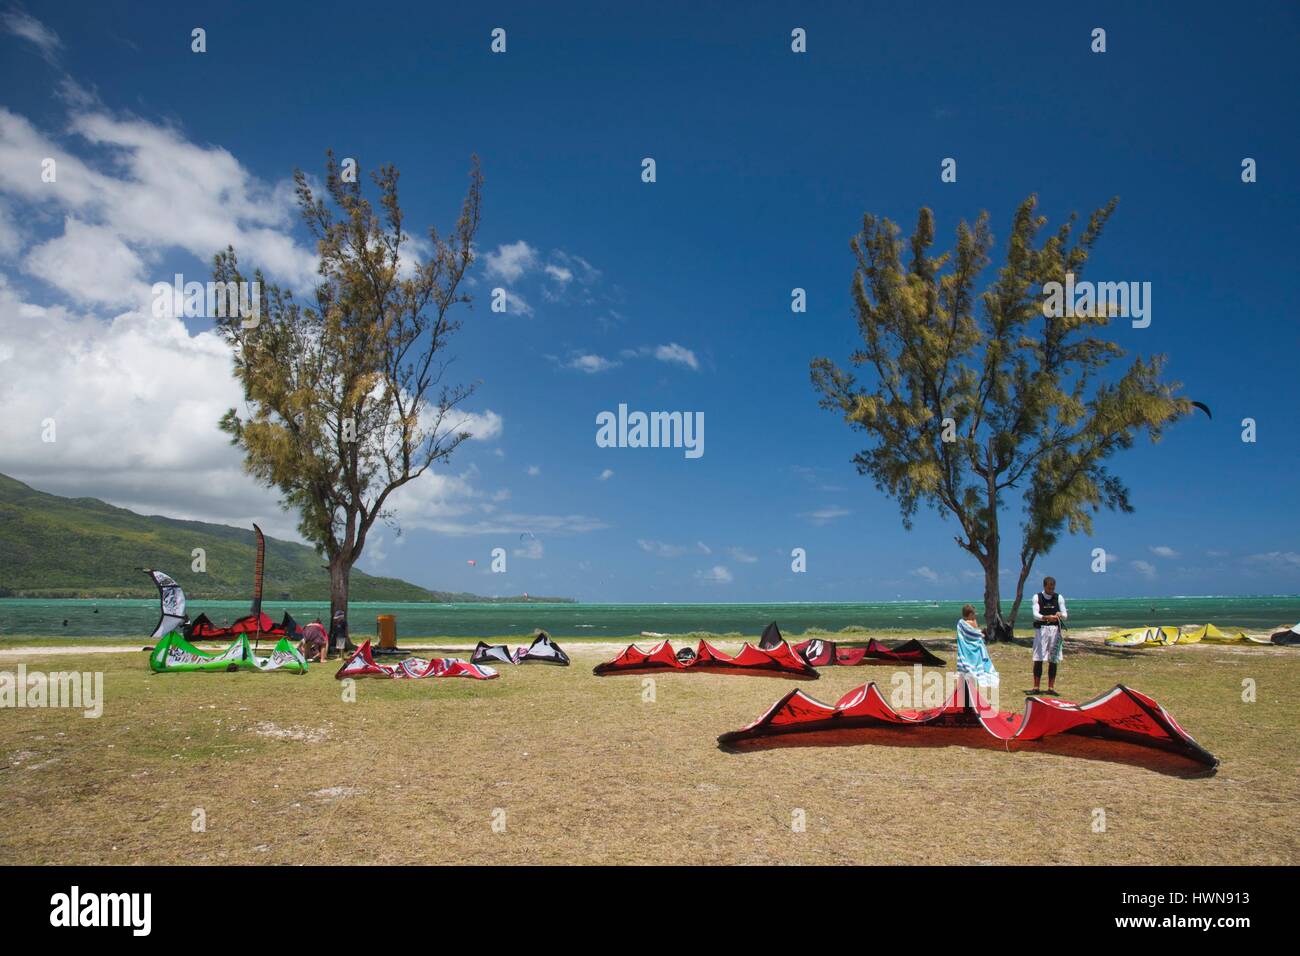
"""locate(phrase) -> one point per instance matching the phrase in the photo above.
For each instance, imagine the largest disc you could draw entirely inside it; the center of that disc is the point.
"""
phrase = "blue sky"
(677, 292)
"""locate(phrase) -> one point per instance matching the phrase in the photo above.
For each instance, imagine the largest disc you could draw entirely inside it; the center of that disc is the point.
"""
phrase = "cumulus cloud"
(1144, 568)
(605, 475)
(1163, 551)
(134, 398)
(135, 403)
(128, 197)
(743, 556)
(510, 261)
(926, 574)
(590, 363)
(91, 265)
(718, 574)
(677, 355)
(456, 504)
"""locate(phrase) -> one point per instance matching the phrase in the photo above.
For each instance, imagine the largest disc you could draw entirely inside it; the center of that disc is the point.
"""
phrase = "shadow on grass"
(976, 738)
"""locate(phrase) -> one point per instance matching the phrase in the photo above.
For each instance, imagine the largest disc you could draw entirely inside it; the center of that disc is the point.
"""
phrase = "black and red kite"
(362, 664)
(751, 660)
(1119, 714)
(821, 653)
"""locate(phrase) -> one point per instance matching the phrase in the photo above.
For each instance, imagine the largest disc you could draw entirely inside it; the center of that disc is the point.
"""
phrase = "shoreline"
(21, 646)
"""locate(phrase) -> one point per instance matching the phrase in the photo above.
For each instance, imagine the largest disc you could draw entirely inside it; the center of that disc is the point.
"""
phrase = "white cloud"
(533, 471)
(1163, 551)
(559, 274)
(91, 265)
(456, 504)
(703, 548)
(11, 240)
(483, 426)
(132, 195)
(590, 363)
(25, 25)
(375, 552)
(1279, 559)
(135, 404)
(1144, 568)
(677, 354)
(605, 475)
(510, 261)
(743, 556)
(823, 515)
(718, 574)
(662, 549)
(926, 573)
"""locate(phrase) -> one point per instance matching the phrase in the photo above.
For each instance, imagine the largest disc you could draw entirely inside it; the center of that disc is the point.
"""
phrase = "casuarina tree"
(345, 398)
(975, 401)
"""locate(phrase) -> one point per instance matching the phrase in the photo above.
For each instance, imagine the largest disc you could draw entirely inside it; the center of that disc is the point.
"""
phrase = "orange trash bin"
(386, 624)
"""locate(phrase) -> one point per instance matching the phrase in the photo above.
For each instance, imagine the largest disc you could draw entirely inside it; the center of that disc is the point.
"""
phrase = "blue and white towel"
(973, 657)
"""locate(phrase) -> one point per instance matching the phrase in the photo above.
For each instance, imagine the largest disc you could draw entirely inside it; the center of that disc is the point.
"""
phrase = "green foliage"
(81, 547)
(1032, 408)
(346, 396)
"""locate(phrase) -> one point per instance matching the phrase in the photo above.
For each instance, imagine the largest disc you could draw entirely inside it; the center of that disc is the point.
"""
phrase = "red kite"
(820, 653)
(362, 664)
(1119, 714)
(780, 660)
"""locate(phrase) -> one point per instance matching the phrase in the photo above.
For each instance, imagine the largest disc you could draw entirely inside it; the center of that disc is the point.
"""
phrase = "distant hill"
(55, 547)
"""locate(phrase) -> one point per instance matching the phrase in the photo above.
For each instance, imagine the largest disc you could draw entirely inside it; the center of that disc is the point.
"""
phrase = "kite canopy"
(175, 653)
(543, 650)
(821, 653)
(362, 664)
(485, 653)
(1288, 635)
(771, 638)
(1119, 714)
(1164, 636)
(203, 629)
(171, 599)
(1139, 636)
(752, 660)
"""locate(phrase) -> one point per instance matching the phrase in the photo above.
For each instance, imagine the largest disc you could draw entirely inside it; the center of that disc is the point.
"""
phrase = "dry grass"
(586, 771)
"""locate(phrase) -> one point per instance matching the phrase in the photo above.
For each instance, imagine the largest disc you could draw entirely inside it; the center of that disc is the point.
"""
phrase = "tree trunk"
(995, 628)
(340, 572)
(1020, 589)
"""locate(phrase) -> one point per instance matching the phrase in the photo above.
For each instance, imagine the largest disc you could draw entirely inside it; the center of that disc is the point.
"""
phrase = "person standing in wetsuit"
(1049, 616)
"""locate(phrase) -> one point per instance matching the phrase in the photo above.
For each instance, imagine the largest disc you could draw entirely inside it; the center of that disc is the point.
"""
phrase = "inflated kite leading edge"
(1119, 714)
(779, 660)
(171, 601)
(174, 653)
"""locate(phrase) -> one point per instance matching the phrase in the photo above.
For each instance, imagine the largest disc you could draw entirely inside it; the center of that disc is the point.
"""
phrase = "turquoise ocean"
(136, 618)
